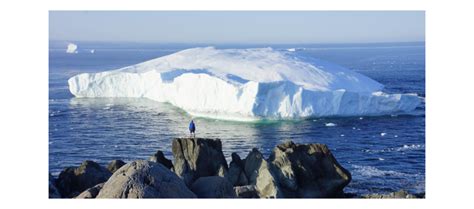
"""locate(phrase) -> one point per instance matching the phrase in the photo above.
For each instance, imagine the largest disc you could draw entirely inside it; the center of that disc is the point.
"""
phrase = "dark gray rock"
(236, 159)
(53, 191)
(91, 192)
(235, 175)
(144, 179)
(401, 194)
(247, 191)
(213, 187)
(198, 157)
(159, 157)
(308, 170)
(258, 173)
(72, 181)
(114, 165)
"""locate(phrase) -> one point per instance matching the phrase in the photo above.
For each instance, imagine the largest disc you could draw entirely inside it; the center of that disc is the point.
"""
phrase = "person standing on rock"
(192, 129)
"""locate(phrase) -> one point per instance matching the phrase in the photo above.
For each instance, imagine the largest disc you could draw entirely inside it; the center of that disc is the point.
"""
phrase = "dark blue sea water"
(384, 154)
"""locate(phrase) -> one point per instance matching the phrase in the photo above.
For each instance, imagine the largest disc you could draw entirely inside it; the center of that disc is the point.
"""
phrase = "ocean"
(383, 153)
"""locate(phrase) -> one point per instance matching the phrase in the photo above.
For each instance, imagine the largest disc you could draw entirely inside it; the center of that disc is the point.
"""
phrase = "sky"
(238, 27)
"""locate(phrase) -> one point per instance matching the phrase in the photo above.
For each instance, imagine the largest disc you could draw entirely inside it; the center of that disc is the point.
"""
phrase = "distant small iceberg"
(92, 51)
(330, 124)
(71, 48)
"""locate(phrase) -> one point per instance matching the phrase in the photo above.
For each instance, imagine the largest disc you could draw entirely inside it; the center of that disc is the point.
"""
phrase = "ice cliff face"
(246, 84)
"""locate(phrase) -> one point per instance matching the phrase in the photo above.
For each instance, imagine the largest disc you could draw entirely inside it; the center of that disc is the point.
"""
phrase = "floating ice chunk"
(71, 48)
(396, 136)
(342, 135)
(247, 84)
(291, 49)
(331, 124)
(381, 159)
(92, 51)
(383, 134)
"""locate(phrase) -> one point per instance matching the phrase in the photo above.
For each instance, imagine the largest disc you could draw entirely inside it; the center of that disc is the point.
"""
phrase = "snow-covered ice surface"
(247, 84)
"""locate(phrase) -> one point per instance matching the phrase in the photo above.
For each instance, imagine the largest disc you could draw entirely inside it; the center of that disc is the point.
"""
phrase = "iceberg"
(247, 85)
(330, 124)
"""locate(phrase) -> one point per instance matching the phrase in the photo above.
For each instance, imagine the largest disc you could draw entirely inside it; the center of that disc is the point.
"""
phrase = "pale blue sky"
(238, 27)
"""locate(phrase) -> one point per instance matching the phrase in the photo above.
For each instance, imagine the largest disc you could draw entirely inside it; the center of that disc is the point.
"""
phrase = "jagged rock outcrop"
(72, 181)
(144, 179)
(258, 173)
(159, 157)
(200, 170)
(307, 170)
(198, 157)
(236, 175)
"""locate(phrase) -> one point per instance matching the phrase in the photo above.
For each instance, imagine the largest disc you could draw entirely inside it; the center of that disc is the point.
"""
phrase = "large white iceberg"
(247, 84)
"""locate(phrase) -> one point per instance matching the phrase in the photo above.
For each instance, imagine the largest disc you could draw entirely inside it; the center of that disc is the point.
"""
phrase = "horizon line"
(237, 43)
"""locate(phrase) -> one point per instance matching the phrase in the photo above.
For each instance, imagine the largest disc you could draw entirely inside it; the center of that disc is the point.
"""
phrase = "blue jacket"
(192, 127)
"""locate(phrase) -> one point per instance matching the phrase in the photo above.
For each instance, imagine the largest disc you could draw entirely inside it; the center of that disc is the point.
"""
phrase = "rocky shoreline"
(200, 170)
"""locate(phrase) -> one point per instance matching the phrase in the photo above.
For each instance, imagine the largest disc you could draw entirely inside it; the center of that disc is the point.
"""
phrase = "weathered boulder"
(308, 170)
(53, 191)
(213, 187)
(198, 157)
(247, 191)
(159, 157)
(91, 192)
(258, 173)
(235, 175)
(114, 165)
(144, 179)
(401, 194)
(72, 181)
